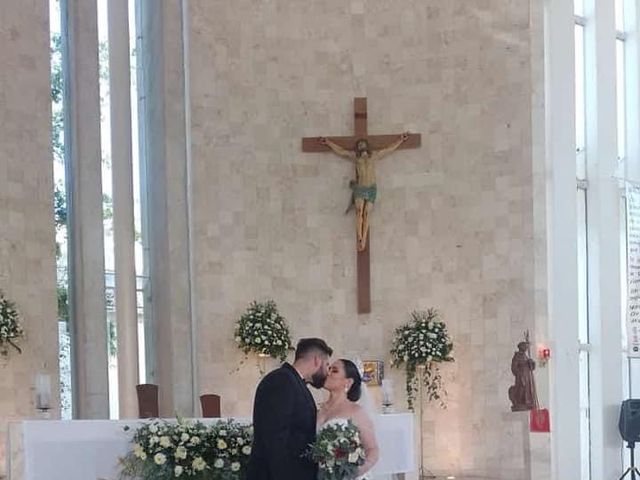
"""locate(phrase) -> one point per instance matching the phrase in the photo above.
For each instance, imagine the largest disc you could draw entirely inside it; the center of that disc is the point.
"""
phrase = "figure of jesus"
(364, 188)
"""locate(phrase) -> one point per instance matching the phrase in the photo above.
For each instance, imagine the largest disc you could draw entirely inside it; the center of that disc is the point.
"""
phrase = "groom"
(284, 415)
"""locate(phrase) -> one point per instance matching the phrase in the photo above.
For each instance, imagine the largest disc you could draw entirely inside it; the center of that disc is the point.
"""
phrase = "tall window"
(621, 108)
(583, 273)
(621, 125)
(60, 208)
(587, 315)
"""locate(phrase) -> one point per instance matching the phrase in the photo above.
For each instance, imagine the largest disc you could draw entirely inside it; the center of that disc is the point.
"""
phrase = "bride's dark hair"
(351, 371)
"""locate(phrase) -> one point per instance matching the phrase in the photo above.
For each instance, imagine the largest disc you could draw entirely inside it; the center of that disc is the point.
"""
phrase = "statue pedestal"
(535, 458)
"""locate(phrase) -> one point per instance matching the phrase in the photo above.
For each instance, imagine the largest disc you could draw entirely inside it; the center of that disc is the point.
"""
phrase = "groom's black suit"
(284, 424)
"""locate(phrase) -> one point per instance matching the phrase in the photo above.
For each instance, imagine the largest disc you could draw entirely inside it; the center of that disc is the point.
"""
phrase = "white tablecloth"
(89, 449)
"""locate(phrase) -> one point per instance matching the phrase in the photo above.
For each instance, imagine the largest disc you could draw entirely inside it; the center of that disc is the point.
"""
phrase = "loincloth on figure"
(367, 193)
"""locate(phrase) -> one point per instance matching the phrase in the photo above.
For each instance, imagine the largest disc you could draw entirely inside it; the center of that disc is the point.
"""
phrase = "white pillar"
(84, 197)
(632, 65)
(563, 267)
(603, 217)
(123, 219)
(166, 170)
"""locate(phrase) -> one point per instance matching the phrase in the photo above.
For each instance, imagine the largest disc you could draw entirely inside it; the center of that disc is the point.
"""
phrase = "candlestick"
(387, 395)
(43, 392)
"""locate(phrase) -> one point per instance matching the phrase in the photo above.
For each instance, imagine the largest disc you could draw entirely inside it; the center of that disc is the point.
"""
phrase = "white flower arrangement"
(338, 450)
(161, 451)
(232, 449)
(423, 341)
(262, 330)
(10, 329)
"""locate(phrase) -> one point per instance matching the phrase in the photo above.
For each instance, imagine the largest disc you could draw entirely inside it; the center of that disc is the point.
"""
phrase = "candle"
(387, 391)
(43, 391)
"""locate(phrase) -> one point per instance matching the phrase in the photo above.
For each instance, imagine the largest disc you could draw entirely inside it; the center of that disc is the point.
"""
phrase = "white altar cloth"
(89, 449)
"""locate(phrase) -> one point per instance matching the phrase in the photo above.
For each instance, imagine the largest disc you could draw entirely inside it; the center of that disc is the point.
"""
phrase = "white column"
(603, 222)
(632, 65)
(563, 268)
(123, 220)
(84, 196)
(166, 171)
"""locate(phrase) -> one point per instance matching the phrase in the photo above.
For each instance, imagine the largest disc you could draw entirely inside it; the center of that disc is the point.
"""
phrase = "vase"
(262, 363)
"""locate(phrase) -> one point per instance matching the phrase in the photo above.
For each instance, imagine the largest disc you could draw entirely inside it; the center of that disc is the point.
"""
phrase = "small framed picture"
(373, 372)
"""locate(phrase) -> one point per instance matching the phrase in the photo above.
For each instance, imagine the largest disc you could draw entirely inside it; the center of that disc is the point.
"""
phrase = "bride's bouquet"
(338, 450)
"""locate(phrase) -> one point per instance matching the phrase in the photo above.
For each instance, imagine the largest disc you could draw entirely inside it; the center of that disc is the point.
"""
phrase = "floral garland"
(423, 341)
(263, 330)
(10, 328)
(163, 451)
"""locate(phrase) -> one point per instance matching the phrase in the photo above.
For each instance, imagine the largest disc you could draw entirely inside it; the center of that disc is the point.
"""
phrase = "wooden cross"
(377, 142)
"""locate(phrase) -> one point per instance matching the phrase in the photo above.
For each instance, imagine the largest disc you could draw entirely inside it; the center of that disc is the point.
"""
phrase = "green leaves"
(10, 327)
(423, 341)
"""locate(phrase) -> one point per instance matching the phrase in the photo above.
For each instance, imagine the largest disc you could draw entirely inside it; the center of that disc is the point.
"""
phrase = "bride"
(344, 384)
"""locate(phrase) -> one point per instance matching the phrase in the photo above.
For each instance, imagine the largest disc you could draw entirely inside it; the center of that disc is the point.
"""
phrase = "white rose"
(222, 444)
(138, 451)
(184, 437)
(257, 340)
(153, 429)
(159, 459)
(353, 457)
(219, 463)
(246, 450)
(181, 452)
(178, 470)
(198, 464)
(235, 466)
(165, 442)
(195, 440)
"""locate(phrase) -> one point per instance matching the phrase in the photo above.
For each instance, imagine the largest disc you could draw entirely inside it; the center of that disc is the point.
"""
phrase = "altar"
(89, 449)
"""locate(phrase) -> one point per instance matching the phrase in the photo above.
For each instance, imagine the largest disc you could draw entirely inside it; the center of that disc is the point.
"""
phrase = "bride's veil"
(368, 406)
(366, 402)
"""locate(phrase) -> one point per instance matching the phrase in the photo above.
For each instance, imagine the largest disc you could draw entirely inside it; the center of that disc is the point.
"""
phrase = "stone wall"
(27, 248)
(454, 224)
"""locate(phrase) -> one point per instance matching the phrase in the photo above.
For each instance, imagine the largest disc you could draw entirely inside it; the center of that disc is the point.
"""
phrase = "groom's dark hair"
(307, 346)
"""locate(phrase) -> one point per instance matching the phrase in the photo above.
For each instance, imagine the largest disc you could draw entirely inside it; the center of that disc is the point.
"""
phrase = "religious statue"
(364, 187)
(522, 394)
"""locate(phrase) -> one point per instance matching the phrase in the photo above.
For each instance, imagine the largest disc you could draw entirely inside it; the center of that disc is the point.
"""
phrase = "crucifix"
(364, 150)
